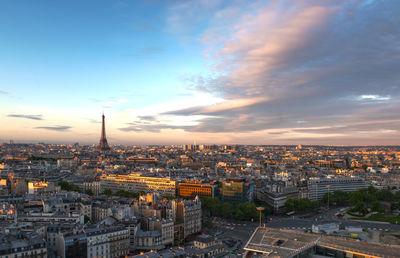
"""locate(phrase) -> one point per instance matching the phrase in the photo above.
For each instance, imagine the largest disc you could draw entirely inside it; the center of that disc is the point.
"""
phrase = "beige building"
(189, 212)
(137, 183)
(86, 208)
(94, 186)
(100, 211)
(166, 228)
(107, 242)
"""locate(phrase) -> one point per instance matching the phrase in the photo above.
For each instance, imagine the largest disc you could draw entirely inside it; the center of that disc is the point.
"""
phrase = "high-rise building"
(103, 145)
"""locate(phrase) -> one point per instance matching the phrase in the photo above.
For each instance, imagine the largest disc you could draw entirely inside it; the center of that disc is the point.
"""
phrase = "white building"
(107, 242)
(326, 228)
(318, 187)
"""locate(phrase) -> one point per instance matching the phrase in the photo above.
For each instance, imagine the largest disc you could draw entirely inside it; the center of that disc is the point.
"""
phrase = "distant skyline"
(211, 71)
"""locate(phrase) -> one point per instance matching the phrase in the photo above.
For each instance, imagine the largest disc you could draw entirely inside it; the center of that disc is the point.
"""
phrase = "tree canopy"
(242, 211)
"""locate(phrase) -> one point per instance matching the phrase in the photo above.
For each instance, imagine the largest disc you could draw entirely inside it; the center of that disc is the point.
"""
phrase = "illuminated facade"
(236, 192)
(193, 189)
(137, 183)
(35, 187)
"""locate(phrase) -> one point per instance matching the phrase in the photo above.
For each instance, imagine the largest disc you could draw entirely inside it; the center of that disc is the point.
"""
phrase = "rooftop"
(283, 243)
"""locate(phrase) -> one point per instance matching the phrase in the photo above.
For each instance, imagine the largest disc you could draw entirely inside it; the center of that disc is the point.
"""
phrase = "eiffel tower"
(103, 145)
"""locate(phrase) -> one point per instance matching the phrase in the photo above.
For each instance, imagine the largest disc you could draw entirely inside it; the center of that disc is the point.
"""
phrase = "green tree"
(385, 195)
(107, 192)
(377, 206)
(227, 210)
(356, 197)
(211, 205)
(69, 187)
(89, 192)
(360, 208)
(290, 205)
(371, 189)
(239, 214)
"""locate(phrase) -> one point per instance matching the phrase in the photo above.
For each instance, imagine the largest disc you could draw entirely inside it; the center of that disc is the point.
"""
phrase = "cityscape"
(195, 129)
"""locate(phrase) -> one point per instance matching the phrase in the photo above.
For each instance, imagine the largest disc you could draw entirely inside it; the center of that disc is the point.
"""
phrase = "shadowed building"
(103, 145)
(271, 242)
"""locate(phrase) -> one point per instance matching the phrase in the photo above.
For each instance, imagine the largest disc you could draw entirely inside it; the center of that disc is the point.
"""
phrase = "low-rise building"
(22, 244)
(206, 246)
(148, 240)
(195, 188)
(72, 245)
(110, 241)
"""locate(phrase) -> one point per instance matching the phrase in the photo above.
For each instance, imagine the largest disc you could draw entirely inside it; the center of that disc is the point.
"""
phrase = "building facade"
(236, 191)
(189, 212)
(193, 189)
(22, 244)
(137, 183)
(318, 187)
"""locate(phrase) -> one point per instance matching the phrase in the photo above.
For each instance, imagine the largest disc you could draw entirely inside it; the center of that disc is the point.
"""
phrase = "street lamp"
(260, 209)
(329, 187)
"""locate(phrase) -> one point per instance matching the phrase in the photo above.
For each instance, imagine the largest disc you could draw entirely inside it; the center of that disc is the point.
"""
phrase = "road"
(296, 222)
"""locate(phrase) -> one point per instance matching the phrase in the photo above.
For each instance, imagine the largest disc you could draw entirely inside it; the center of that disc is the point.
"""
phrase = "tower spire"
(103, 145)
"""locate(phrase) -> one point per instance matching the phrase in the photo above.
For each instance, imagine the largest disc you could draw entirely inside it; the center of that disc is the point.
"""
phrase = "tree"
(397, 196)
(356, 197)
(69, 187)
(297, 205)
(377, 206)
(371, 189)
(107, 192)
(267, 209)
(360, 208)
(385, 195)
(239, 214)
(89, 192)
(304, 204)
(227, 210)
(289, 205)
(211, 205)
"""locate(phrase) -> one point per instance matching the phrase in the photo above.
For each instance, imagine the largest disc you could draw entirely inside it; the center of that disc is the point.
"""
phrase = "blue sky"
(171, 72)
(86, 49)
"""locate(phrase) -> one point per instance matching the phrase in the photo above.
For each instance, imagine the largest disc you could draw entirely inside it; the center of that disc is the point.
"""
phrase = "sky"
(206, 71)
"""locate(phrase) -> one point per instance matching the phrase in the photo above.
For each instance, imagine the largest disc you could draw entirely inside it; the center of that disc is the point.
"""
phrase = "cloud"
(373, 97)
(3, 92)
(147, 118)
(32, 117)
(153, 128)
(59, 128)
(220, 107)
(94, 121)
(281, 62)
